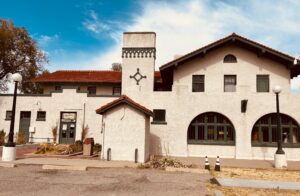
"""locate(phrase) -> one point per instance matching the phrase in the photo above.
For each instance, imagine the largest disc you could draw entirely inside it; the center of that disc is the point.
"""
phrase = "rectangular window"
(57, 88)
(116, 90)
(262, 83)
(229, 83)
(159, 115)
(91, 90)
(8, 115)
(41, 116)
(198, 83)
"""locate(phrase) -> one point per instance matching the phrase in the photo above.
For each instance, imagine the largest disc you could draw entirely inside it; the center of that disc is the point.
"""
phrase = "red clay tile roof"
(223, 40)
(103, 76)
(124, 100)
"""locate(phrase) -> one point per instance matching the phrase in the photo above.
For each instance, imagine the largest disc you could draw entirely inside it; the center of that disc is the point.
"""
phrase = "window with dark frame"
(41, 116)
(159, 115)
(117, 90)
(229, 83)
(230, 59)
(262, 83)
(58, 88)
(198, 83)
(91, 90)
(211, 128)
(8, 115)
(264, 131)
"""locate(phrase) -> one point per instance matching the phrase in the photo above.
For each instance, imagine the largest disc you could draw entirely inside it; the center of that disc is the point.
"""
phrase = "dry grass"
(58, 149)
(21, 137)
(54, 133)
(235, 191)
(84, 132)
(259, 174)
(158, 162)
(2, 137)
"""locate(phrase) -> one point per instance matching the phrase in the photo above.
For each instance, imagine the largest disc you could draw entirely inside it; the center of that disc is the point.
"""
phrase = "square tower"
(138, 63)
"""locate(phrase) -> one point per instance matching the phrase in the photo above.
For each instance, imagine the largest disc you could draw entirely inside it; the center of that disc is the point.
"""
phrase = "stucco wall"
(67, 101)
(182, 105)
(125, 130)
(101, 89)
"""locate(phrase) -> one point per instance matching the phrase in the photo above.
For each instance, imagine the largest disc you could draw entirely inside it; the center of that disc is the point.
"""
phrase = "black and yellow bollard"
(206, 164)
(218, 165)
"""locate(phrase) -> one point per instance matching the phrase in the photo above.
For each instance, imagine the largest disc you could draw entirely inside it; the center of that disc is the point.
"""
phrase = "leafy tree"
(116, 67)
(19, 53)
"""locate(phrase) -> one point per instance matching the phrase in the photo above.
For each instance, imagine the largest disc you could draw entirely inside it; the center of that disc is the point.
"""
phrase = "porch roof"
(124, 100)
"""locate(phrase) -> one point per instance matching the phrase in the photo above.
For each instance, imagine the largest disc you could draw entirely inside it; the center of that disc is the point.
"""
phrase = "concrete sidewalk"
(238, 163)
(260, 184)
(72, 162)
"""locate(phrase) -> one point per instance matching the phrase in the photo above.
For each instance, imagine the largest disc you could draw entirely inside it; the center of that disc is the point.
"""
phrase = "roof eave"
(232, 37)
(102, 111)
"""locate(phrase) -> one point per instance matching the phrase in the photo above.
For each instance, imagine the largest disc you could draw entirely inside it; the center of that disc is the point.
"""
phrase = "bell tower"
(138, 63)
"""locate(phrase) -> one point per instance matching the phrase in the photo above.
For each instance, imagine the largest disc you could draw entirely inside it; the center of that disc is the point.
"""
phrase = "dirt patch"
(259, 174)
(235, 191)
(142, 179)
(49, 172)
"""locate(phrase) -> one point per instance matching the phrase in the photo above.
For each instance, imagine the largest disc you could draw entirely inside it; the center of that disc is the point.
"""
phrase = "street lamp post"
(9, 149)
(280, 158)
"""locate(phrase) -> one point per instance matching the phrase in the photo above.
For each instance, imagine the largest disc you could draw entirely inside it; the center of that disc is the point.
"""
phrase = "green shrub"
(97, 147)
(77, 147)
(2, 137)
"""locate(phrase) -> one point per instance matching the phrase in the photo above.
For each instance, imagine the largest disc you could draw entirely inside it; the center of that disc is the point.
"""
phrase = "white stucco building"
(214, 101)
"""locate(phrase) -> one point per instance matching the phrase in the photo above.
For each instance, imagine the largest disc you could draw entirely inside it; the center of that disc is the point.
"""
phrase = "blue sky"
(78, 34)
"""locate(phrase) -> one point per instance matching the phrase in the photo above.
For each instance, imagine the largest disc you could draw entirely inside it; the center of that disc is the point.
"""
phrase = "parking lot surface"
(33, 180)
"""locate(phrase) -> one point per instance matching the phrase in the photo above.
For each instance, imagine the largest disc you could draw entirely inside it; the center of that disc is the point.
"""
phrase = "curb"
(190, 170)
(64, 167)
(7, 165)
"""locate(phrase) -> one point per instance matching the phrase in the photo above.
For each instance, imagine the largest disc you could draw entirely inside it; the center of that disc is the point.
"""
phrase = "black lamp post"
(277, 90)
(10, 143)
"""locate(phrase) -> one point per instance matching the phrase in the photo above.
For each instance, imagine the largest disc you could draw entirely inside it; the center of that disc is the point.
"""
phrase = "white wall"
(68, 101)
(182, 105)
(126, 130)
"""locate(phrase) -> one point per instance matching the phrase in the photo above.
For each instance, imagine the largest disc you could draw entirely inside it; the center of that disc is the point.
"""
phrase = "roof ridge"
(70, 70)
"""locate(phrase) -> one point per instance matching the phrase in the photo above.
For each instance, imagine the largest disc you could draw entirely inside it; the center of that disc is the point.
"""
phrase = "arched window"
(230, 59)
(211, 128)
(264, 132)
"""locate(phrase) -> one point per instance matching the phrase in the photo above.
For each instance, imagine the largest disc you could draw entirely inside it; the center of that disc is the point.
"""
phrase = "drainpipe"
(83, 121)
(103, 133)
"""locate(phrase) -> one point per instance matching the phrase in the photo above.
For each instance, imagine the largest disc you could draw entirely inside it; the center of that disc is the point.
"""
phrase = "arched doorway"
(264, 131)
(211, 128)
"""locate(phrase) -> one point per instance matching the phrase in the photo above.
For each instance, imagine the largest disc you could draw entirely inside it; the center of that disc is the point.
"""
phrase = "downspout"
(103, 133)
(83, 121)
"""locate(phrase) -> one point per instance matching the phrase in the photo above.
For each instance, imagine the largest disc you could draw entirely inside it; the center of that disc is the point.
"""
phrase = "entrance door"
(67, 128)
(25, 124)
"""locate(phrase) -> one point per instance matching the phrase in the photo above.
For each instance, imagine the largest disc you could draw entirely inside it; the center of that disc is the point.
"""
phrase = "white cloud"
(45, 40)
(100, 28)
(189, 24)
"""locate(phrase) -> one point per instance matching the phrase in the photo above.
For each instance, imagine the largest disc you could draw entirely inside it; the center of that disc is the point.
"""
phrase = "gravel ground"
(32, 180)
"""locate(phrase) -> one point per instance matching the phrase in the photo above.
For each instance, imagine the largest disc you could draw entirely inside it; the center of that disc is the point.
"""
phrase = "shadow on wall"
(155, 145)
